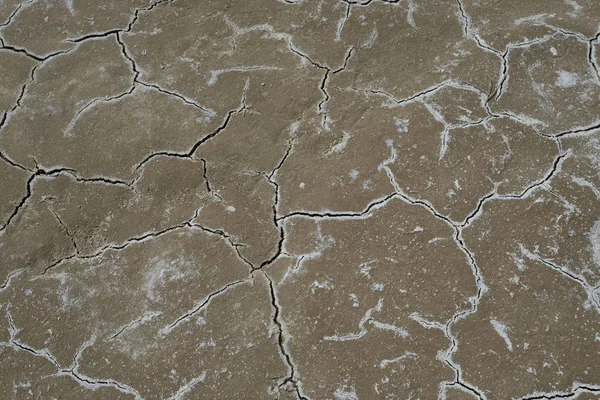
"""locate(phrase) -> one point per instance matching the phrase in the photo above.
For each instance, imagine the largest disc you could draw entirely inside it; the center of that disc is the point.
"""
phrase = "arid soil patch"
(288, 199)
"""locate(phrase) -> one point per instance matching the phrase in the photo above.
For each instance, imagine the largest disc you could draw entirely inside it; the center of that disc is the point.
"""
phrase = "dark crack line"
(60, 261)
(499, 91)
(237, 250)
(95, 381)
(10, 276)
(22, 94)
(275, 207)
(143, 10)
(13, 163)
(285, 156)
(321, 105)
(464, 313)
(468, 32)
(192, 150)
(328, 71)
(150, 235)
(117, 31)
(276, 318)
(99, 179)
(23, 201)
(11, 16)
(204, 175)
(413, 97)
(67, 231)
(236, 246)
(323, 86)
(464, 17)
(33, 351)
(562, 270)
(155, 234)
(466, 387)
(476, 271)
(578, 390)
(556, 167)
(305, 57)
(201, 306)
(121, 246)
(577, 131)
(329, 215)
(41, 172)
(40, 61)
(592, 54)
(97, 100)
(207, 181)
(95, 35)
(368, 2)
(180, 97)
(279, 244)
(12, 48)
(13, 331)
(23, 51)
(480, 204)
(341, 24)
(100, 382)
(291, 378)
(132, 324)
(580, 37)
(580, 280)
(6, 115)
(136, 72)
(345, 63)
(420, 94)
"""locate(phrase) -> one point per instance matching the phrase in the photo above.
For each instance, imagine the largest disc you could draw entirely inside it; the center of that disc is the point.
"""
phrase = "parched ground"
(318, 199)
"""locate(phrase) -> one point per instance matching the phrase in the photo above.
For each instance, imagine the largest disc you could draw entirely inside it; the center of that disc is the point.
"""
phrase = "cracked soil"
(300, 199)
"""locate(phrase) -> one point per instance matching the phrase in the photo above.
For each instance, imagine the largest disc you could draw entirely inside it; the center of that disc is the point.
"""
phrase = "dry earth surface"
(318, 199)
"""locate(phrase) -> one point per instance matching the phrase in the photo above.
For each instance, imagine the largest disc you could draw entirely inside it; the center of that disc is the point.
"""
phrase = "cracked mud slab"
(297, 199)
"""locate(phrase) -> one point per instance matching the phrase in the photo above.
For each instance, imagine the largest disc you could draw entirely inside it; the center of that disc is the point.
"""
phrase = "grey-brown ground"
(318, 199)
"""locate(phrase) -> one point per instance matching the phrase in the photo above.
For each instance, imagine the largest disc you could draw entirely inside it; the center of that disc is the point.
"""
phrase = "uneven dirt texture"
(300, 199)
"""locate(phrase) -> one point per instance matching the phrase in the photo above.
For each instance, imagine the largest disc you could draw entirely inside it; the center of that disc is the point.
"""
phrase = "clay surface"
(300, 199)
